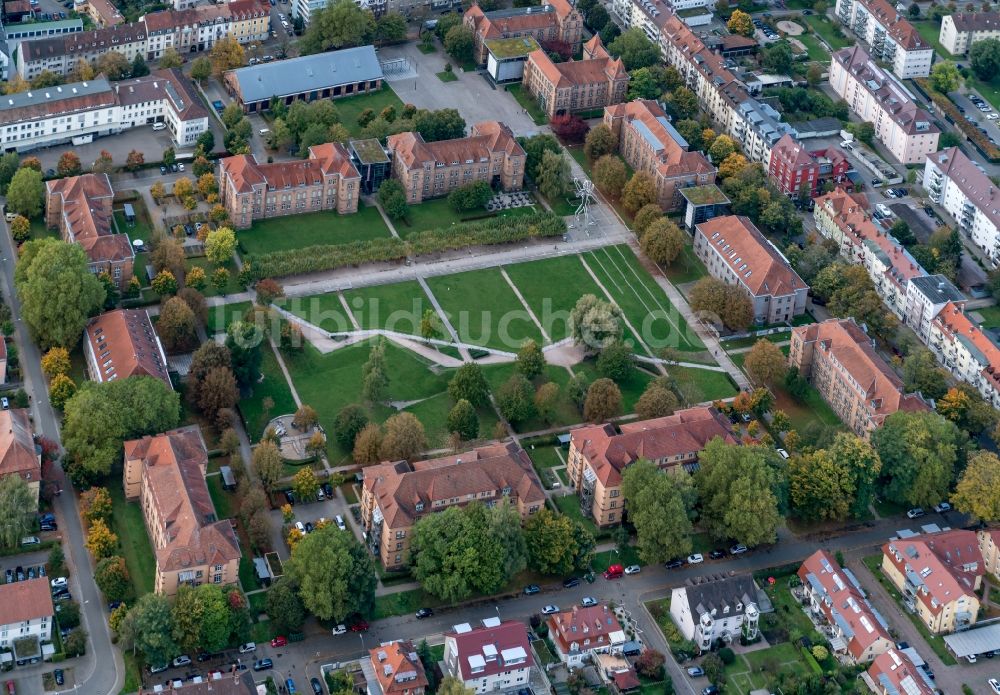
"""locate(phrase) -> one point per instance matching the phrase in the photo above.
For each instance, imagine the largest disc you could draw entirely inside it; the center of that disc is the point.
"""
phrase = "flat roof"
(709, 194)
(44, 26)
(57, 93)
(369, 151)
(513, 47)
(974, 641)
(308, 73)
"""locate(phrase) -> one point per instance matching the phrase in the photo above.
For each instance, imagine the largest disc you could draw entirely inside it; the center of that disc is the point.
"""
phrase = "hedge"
(967, 127)
(495, 230)
(811, 660)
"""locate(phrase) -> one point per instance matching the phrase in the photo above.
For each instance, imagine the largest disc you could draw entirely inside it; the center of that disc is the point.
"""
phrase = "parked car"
(588, 601)
(942, 508)
(49, 526)
(571, 582)
(163, 169)
(782, 453)
(633, 569)
(995, 684)
(528, 590)
(279, 641)
(614, 572)
(301, 527)
(218, 106)
(289, 497)
(675, 563)
(248, 647)
(738, 549)
(159, 669)
(424, 613)
(327, 490)
(182, 660)
(309, 527)
(10, 576)
(915, 513)
(550, 609)
(316, 686)
(717, 554)
(290, 686)
(338, 630)
(695, 671)
(696, 559)
(339, 520)
(58, 676)
(29, 540)
(359, 626)
(710, 690)
(262, 664)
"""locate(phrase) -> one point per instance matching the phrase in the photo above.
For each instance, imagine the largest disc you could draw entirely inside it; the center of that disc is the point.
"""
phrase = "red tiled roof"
(897, 670)
(27, 600)
(948, 563)
(124, 344)
(17, 445)
(86, 220)
(672, 160)
(905, 34)
(397, 667)
(246, 173)
(485, 139)
(954, 325)
(477, 643)
(587, 628)
(578, 72)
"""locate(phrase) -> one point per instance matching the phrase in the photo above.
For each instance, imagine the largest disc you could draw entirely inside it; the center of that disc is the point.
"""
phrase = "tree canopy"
(334, 574)
(919, 453)
(657, 510)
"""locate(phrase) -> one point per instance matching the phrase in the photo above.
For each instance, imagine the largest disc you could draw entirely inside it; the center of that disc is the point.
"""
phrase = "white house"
(581, 632)
(926, 297)
(717, 610)
(959, 31)
(25, 611)
(493, 657)
(889, 35)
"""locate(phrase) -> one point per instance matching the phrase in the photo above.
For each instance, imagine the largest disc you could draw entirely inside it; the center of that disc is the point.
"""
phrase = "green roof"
(369, 151)
(693, 12)
(705, 195)
(512, 48)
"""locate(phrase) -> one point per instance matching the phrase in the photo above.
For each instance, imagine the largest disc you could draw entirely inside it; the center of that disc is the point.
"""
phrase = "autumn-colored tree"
(183, 188)
(20, 229)
(368, 445)
(96, 505)
(604, 401)
(135, 160)
(740, 23)
(104, 164)
(217, 214)
(16, 85)
(404, 437)
(196, 278)
(978, 490)
(305, 485)
(101, 541)
(158, 191)
(609, 175)
(646, 216)
(663, 241)
(723, 301)
(765, 363)
(164, 283)
(305, 417)
(69, 164)
(207, 184)
(722, 148)
(177, 326)
(227, 54)
(638, 192)
(220, 245)
(61, 389)
(56, 361)
(220, 279)
(733, 165)
(268, 290)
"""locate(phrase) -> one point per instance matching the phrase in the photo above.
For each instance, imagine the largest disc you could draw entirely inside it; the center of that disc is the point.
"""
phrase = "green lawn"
(438, 214)
(552, 287)
(222, 500)
(826, 28)
(577, 153)
(752, 340)
(817, 51)
(990, 91)
(274, 386)
(127, 521)
(749, 671)
(570, 506)
(351, 107)
(140, 230)
(812, 409)
(484, 310)
(686, 268)
(446, 76)
(530, 105)
(700, 385)
(133, 674)
(546, 457)
(232, 286)
(40, 231)
(219, 317)
(398, 307)
(632, 388)
(740, 357)
(248, 579)
(312, 229)
(566, 412)
(930, 31)
(403, 603)
(323, 310)
(991, 316)
(601, 561)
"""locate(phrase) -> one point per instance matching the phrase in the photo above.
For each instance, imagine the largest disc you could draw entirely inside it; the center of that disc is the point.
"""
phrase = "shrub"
(727, 655)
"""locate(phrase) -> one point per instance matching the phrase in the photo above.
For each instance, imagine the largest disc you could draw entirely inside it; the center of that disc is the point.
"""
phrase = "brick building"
(433, 169)
(554, 20)
(595, 82)
(795, 169)
(122, 343)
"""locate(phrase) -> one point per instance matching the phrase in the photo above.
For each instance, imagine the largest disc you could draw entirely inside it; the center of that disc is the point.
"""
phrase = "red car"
(360, 626)
(279, 641)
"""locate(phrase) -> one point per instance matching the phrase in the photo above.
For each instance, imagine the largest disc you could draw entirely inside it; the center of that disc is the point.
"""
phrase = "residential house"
(593, 83)
(938, 575)
(101, 12)
(19, 455)
(433, 169)
(859, 631)
(894, 673)
(648, 141)
(879, 98)
(734, 251)
(964, 349)
(962, 29)
(718, 610)
(60, 54)
(394, 668)
(491, 658)
(926, 297)
(795, 170)
(326, 180)
(166, 472)
(25, 611)
(122, 343)
(839, 359)
(889, 35)
(193, 29)
(581, 632)
(758, 128)
(554, 20)
(598, 454)
(396, 494)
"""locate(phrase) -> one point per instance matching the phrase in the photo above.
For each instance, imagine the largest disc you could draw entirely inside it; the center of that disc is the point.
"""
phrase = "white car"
(588, 601)
(301, 527)
(995, 684)
(550, 609)
(183, 660)
(971, 658)
(633, 569)
(915, 513)
(339, 630)
(339, 520)
(782, 453)
(993, 116)
(696, 559)
(883, 210)
(59, 583)
(248, 647)
(738, 549)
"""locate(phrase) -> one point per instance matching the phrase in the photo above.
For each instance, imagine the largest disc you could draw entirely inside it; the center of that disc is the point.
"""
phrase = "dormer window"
(419, 507)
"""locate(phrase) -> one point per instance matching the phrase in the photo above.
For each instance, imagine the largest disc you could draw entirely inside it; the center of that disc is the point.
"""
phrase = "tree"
(535, 148)
(147, 628)
(207, 184)
(69, 164)
(921, 372)
(554, 178)
(765, 362)
(722, 148)
(195, 278)
(267, 464)
(56, 361)
(334, 574)
(945, 76)
(220, 279)
(469, 384)
(459, 43)
(551, 543)
(650, 664)
(740, 23)
(595, 323)
(305, 418)
(243, 338)
(777, 58)
(463, 420)
(819, 487)
(165, 283)
(862, 464)
(305, 484)
(113, 65)
(814, 74)
(682, 102)
(530, 360)
(368, 445)
(569, 128)
(26, 193)
(57, 292)
(61, 389)
(284, 607)
(978, 490)
(430, 325)
(218, 394)
(965, 407)
(268, 290)
(515, 399)
(390, 28)
(201, 69)
(615, 362)
(171, 59)
(724, 301)
(220, 244)
(349, 422)
(104, 164)
(635, 49)
(901, 231)
(472, 196)
(158, 191)
(404, 437)
(101, 541)
(656, 401)
(657, 510)
(392, 198)
(112, 578)
(374, 377)
(663, 241)
(638, 192)
(599, 142)
(16, 504)
(442, 124)
(466, 550)
(984, 58)
(20, 229)
(547, 400)
(9, 164)
(604, 401)
(609, 175)
(339, 25)
(919, 452)
(82, 71)
(645, 217)
(177, 326)
(227, 54)
(96, 504)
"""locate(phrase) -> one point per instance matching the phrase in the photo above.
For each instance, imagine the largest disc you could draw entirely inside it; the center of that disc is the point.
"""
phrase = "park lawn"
(522, 97)
(403, 603)
(628, 556)
(566, 412)
(991, 316)
(632, 388)
(701, 385)
(817, 52)
(398, 307)
(438, 214)
(826, 29)
(546, 456)
(219, 317)
(552, 287)
(750, 341)
(274, 386)
(233, 285)
(350, 108)
(484, 310)
(577, 153)
(128, 523)
(433, 413)
(811, 409)
(687, 267)
(222, 500)
(322, 310)
(312, 229)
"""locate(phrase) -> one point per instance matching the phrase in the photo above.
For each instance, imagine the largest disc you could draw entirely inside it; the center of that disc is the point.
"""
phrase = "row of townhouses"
(891, 38)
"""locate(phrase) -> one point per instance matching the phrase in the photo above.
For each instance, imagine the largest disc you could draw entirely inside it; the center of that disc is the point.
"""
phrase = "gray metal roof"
(54, 94)
(938, 288)
(17, 28)
(975, 641)
(308, 73)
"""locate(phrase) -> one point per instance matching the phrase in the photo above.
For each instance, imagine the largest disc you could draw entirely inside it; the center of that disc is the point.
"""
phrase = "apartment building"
(959, 31)
(102, 12)
(835, 595)
(734, 251)
(962, 348)
(59, 54)
(595, 82)
(879, 98)
(434, 169)
(554, 20)
(394, 668)
(598, 454)
(166, 474)
(192, 29)
(326, 180)
(306, 8)
(926, 297)
(122, 343)
(756, 126)
(25, 611)
(890, 37)
(493, 657)
(938, 575)
(989, 546)
(580, 633)
(396, 494)
(893, 672)
(957, 184)
(19, 455)
(839, 359)
(165, 96)
(648, 141)
(795, 170)
(722, 610)
(80, 208)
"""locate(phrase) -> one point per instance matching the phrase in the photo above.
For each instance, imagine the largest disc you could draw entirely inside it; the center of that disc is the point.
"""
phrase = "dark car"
(31, 573)
(309, 527)
(47, 516)
(902, 645)
(528, 590)
(218, 106)
(163, 169)
(289, 497)
(262, 664)
(710, 690)
(59, 677)
(203, 657)
(675, 563)
(49, 526)
(113, 605)
(571, 582)
(328, 490)
(317, 688)
(717, 554)
(19, 571)
(424, 613)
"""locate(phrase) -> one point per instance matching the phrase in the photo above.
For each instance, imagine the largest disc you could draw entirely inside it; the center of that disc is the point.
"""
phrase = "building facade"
(122, 343)
(890, 37)
(962, 29)
(926, 297)
(734, 251)
(954, 182)
(797, 171)
(554, 20)
(839, 359)
(650, 143)
(396, 494)
(598, 454)
(582, 632)
(25, 611)
(327, 180)
(593, 83)
(717, 610)
(19, 455)
(166, 473)
(60, 54)
(965, 350)
(192, 29)
(878, 98)
(434, 169)
(493, 657)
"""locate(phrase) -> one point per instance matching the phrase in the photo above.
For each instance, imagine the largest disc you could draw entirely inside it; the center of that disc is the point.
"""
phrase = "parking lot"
(984, 117)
